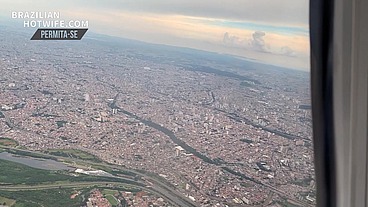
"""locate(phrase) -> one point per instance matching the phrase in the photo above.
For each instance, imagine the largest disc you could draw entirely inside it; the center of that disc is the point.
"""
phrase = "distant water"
(44, 164)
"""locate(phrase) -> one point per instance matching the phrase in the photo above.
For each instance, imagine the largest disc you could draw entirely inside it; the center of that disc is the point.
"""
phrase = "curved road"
(159, 188)
(86, 184)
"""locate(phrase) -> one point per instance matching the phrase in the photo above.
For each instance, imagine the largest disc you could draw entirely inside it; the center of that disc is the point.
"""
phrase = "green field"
(112, 200)
(109, 192)
(6, 201)
(18, 174)
(73, 153)
(110, 196)
(247, 184)
(24, 186)
(14, 173)
(50, 197)
(8, 142)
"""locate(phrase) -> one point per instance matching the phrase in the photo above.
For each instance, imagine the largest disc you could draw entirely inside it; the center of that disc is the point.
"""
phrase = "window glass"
(155, 103)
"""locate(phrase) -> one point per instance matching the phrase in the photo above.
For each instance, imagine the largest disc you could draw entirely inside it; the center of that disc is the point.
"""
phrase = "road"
(84, 185)
(158, 187)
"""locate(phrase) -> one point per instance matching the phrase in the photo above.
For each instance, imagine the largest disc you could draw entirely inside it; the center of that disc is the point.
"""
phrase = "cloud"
(257, 42)
(247, 28)
(287, 51)
(285, 12)
(231, 40)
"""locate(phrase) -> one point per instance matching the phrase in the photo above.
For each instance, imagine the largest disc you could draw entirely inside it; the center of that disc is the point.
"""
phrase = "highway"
(158, 188)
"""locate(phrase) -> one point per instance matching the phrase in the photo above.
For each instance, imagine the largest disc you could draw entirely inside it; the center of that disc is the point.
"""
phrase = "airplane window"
(155, 103)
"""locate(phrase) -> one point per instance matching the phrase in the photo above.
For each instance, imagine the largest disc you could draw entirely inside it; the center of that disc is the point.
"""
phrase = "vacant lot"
(73, 153)
(6, 201)
(8, 142)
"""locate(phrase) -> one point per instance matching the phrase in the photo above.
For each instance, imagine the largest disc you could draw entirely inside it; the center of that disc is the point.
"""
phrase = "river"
(38, 163)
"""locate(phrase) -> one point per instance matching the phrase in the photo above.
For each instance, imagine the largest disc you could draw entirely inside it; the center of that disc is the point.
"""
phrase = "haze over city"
(273, 32)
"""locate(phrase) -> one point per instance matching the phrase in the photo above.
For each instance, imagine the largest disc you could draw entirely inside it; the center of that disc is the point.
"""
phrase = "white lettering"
(35, 15)
(46, 23)
(85, 24)
(26, 23)
(33, 23)
(42, 34)
(56, 15)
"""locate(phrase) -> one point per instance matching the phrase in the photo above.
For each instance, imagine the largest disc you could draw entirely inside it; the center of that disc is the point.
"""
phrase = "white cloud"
(257, 42)
(177, 23)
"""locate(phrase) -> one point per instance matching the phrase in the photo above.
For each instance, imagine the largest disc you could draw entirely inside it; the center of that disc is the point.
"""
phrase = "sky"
(270, 31)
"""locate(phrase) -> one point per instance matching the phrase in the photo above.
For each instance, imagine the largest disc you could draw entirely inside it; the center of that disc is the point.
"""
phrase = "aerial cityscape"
(213, 129)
